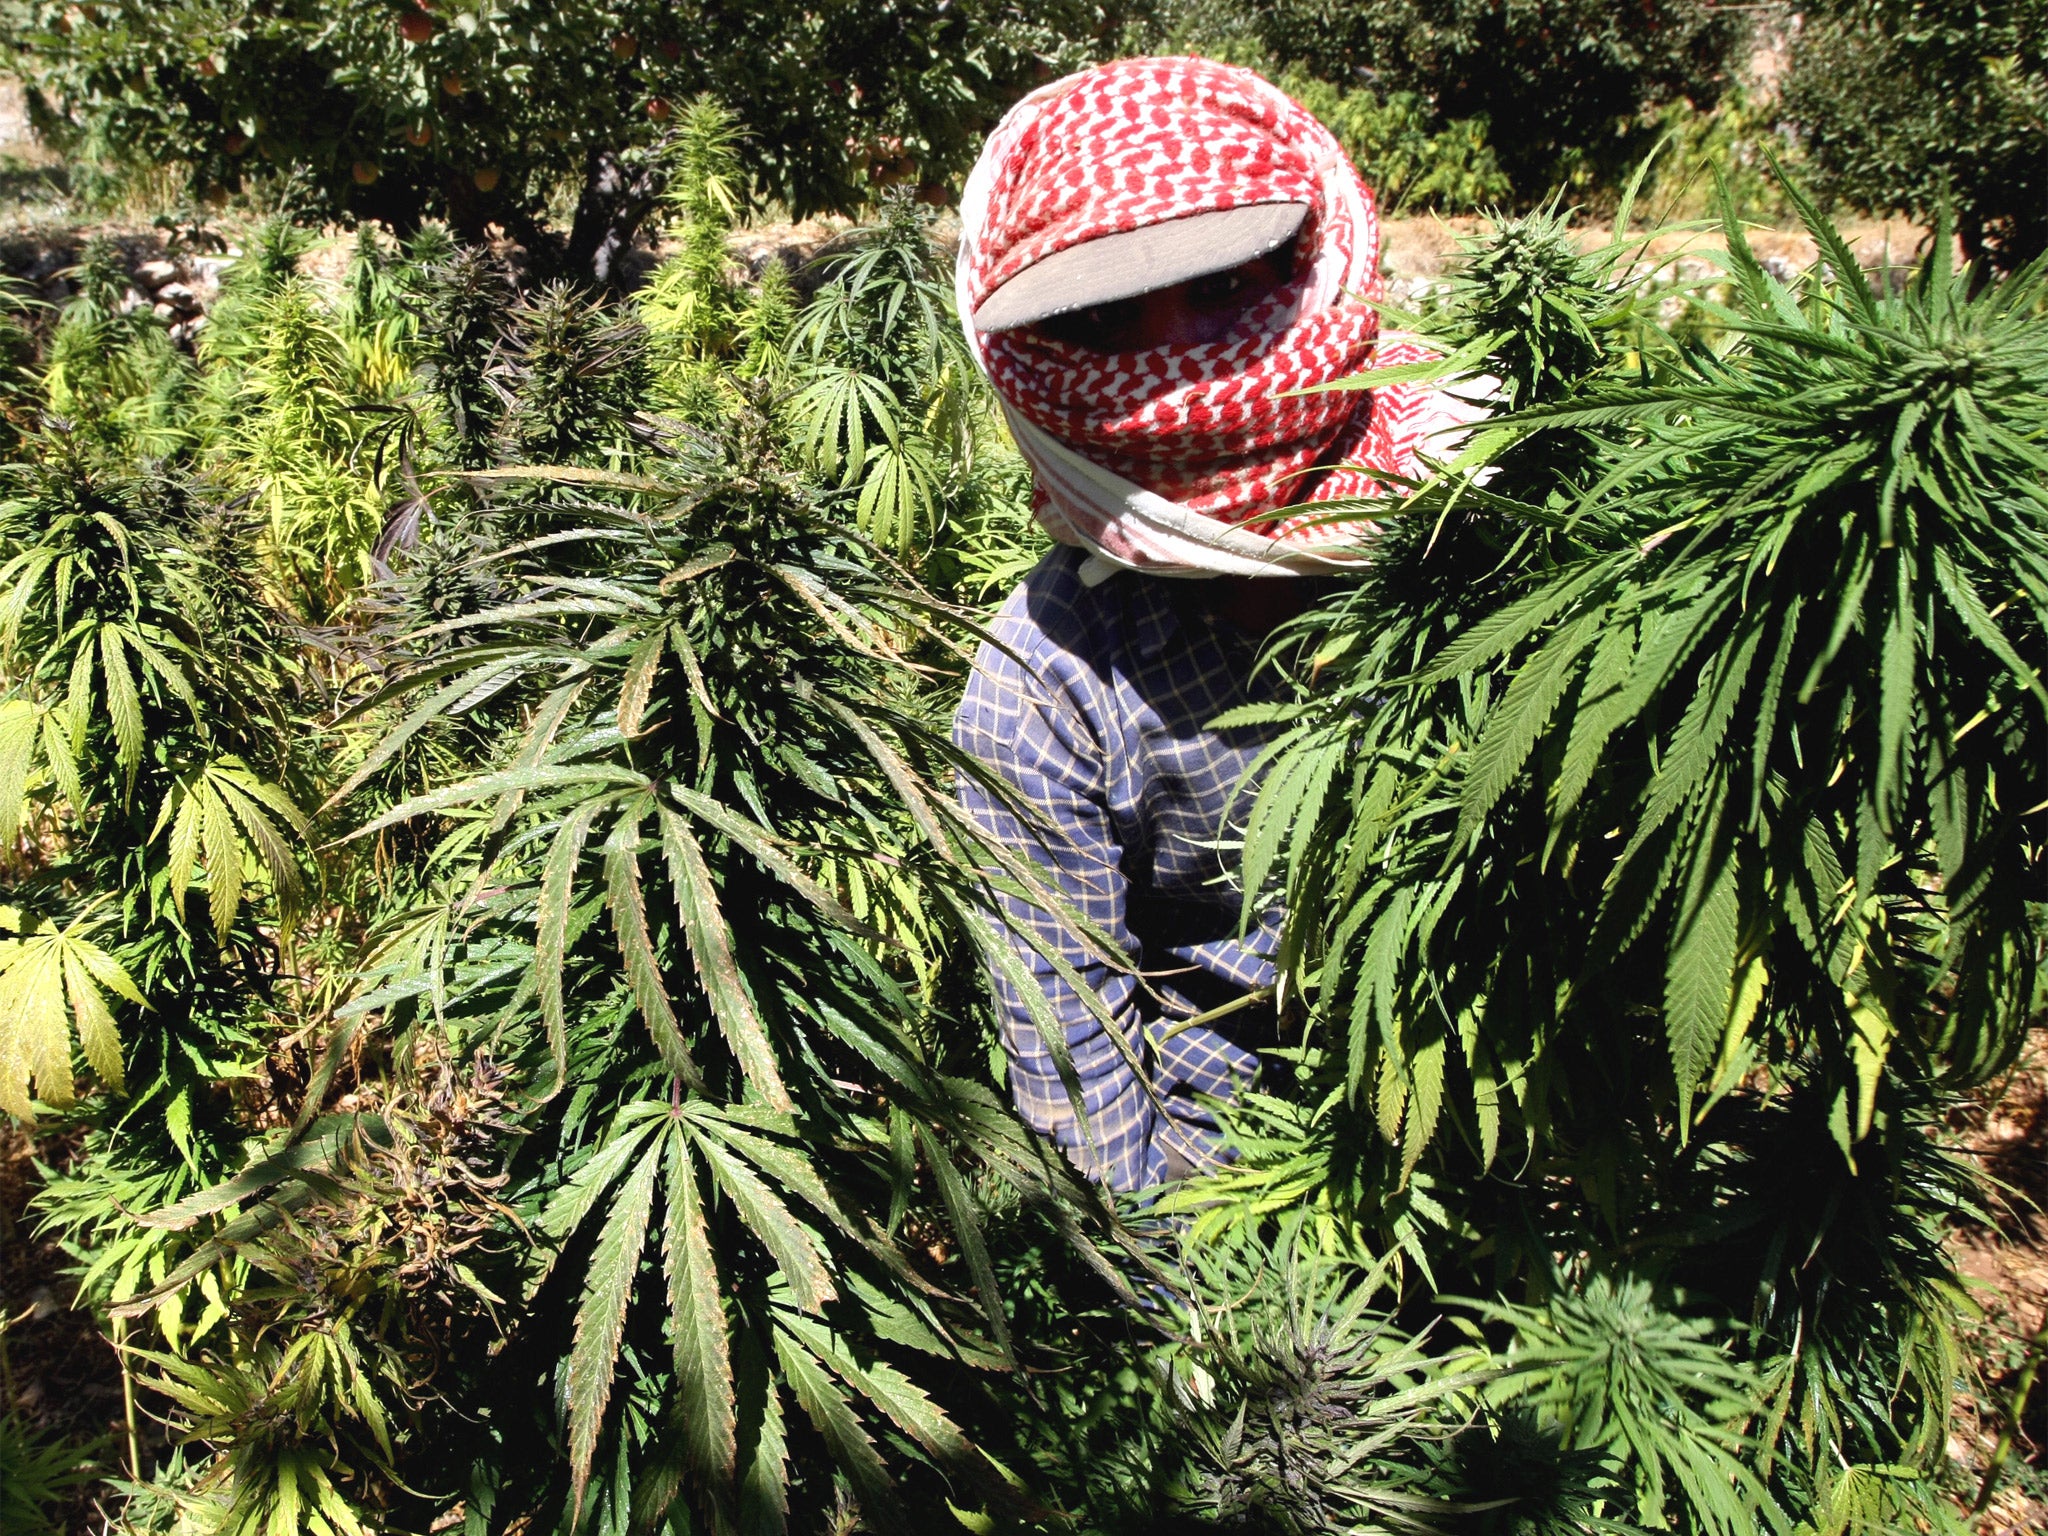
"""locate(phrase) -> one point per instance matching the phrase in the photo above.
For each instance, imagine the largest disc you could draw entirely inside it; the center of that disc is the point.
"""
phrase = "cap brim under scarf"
(1194, 459)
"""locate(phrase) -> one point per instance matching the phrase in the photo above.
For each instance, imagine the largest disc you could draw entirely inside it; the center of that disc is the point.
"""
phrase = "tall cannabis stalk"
(752, 1247)
(690, 308)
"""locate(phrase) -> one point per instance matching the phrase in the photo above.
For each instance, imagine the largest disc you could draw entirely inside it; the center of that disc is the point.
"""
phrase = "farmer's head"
(1158, 255)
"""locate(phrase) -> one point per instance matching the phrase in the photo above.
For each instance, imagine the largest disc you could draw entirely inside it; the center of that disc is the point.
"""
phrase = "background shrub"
(1566, 88)
(530, 113)
(1907, 107)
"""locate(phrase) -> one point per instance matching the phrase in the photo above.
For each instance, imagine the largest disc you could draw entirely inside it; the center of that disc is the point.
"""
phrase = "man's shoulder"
(1053, 613)
(1049, 653)
(1050, 608)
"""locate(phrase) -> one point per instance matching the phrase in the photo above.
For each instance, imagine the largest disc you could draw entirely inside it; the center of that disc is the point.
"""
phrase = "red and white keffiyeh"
(1174, 459)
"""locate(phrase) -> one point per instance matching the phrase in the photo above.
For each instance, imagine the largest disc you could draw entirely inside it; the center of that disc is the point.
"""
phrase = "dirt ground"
(2005, 1263)
(56, 1370)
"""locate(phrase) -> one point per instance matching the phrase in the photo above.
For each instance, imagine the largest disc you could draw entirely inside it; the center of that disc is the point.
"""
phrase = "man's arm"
(1026, 729)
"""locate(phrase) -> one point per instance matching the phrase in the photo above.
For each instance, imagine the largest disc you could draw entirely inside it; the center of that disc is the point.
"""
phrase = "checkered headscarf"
(1175, 458)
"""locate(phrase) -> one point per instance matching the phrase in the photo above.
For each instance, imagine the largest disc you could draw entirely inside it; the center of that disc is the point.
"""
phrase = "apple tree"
(484, 111)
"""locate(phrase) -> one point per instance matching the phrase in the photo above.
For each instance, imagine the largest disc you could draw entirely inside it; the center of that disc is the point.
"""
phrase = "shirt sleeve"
(1029, 730)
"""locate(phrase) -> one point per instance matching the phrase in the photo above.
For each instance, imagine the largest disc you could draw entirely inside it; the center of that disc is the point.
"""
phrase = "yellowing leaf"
(1868, 1046)
(43, 973)
(222, 815)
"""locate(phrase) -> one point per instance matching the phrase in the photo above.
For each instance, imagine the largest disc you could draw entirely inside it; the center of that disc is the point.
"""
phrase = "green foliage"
(1911, 108)
(1743, 144)
(1310, 1412)
(1667, 814)
(114, 378)
(43, 973)
(1619, 1374)
(1410, 161)
(477, 111)
(690, 307)
(38, 1474)
(1563, 87)
(587, 1118)
(570, 372)
(729, 706)
(635, 954)
(888, 404)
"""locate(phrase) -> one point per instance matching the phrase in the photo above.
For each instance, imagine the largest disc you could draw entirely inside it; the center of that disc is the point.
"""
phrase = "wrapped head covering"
(1175, 459)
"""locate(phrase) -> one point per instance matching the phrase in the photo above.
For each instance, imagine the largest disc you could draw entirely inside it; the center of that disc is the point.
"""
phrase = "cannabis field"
(493, 982)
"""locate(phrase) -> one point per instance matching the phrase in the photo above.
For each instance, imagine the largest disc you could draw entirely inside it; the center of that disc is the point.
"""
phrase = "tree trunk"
(616, 199)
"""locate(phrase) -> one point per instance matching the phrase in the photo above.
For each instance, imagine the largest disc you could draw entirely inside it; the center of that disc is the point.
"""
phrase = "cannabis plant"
(887, 398)
(39, 1475)
(743, 1156)
(152, 698)
(1682, 782)
(571, 373)
(460, 298)
(690, 307)
(111, 373)
(1310, 1412)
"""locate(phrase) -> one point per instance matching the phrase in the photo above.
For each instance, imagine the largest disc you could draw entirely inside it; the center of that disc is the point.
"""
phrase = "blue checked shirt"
(1093, 704)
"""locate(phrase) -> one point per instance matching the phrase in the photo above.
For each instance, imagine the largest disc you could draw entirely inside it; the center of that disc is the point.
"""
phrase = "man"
(1157, 255)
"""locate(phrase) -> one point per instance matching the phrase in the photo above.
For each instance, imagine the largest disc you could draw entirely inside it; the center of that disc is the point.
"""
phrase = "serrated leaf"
(183, 854)
(1513, 726)
(572, 1203)
(1870, 1042)
(906, 1404)
(1895, 704)
(601, 1315)
(1601, 712)
(628, 908)
(124, 706)
(551, 937)
(764, 1449)
(638, 682)
(697, 1326)
(837, 1424)
(966, 1223)
(1501, 632)
(1425, 1100)
(711, 950)
(792, 1247)
(763, 847)
(1700, 968)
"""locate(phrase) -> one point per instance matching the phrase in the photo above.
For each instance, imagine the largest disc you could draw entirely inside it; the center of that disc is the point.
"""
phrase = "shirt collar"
(1155, 614)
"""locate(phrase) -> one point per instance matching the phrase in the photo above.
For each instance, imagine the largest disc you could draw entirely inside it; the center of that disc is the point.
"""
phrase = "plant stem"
(6, 1368)
(128, 1399)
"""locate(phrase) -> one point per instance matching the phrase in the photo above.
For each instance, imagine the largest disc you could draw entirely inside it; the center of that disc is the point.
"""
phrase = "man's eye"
(1217, 287)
